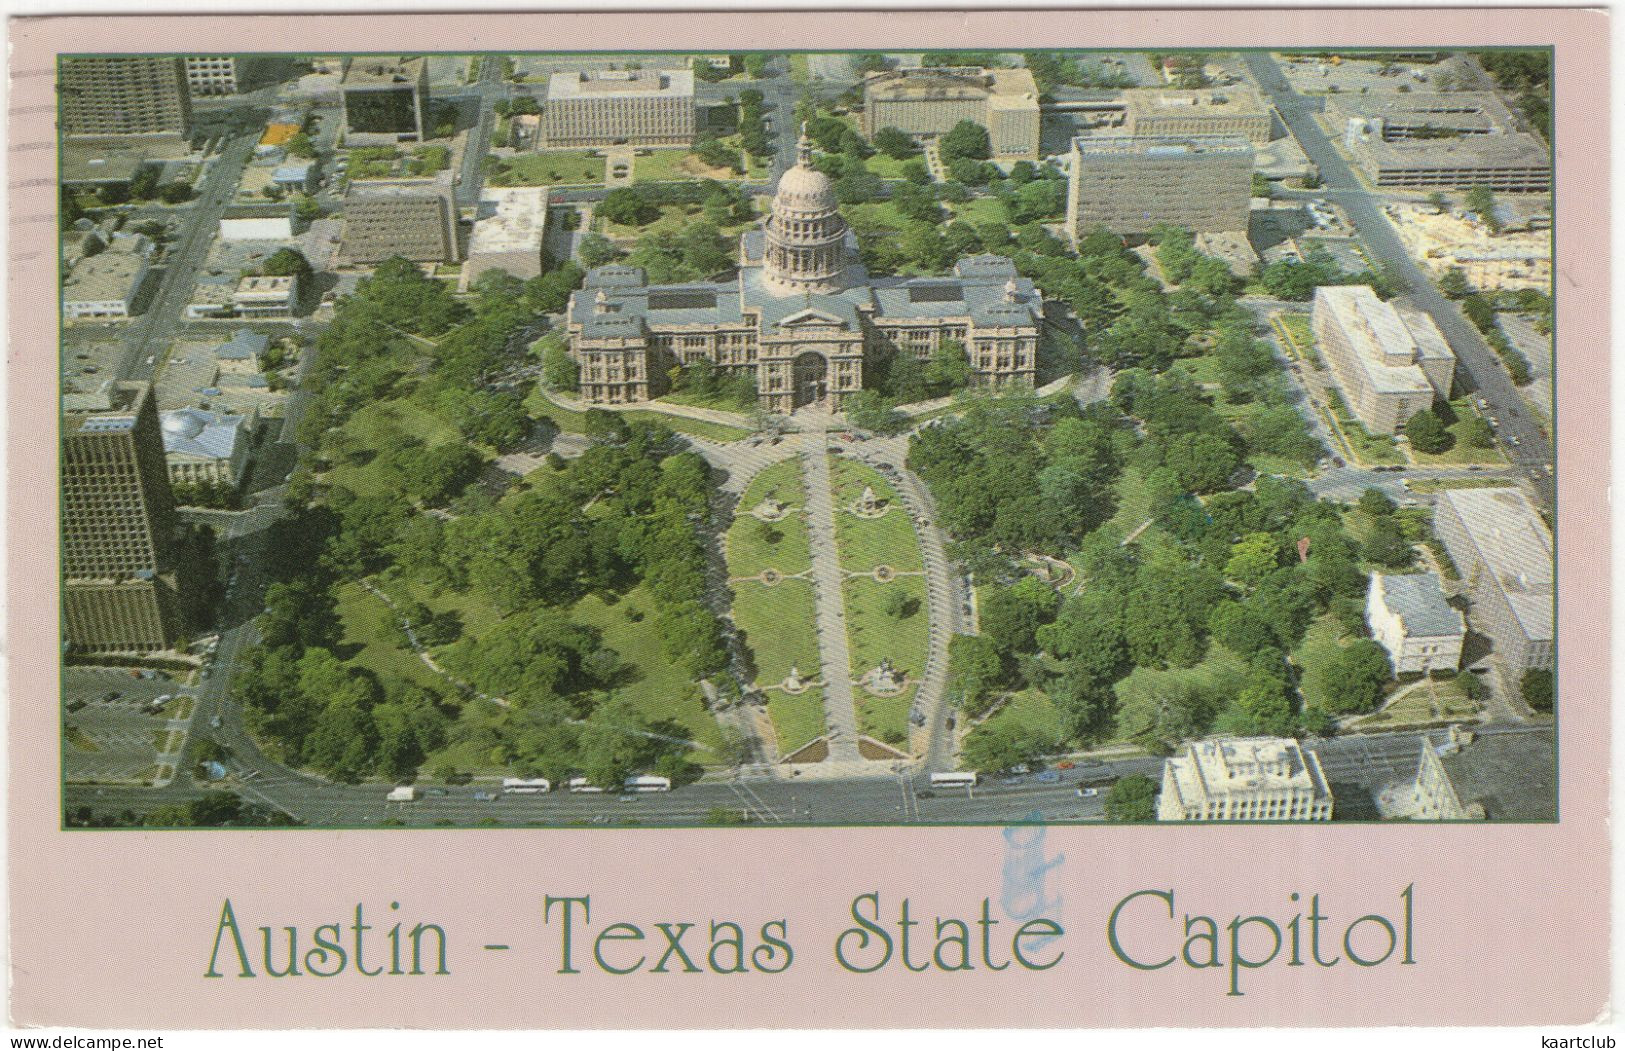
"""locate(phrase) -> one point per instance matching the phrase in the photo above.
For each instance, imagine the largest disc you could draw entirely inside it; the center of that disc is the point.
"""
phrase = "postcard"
(916, 520)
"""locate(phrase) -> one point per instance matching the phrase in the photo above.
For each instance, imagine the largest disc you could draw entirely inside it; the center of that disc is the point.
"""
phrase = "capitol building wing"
(802, 314)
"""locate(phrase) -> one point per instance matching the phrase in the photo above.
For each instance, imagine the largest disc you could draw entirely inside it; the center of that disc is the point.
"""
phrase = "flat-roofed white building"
(1389, 361)
(1409, 617)
(267, 296)
(644, 107)
(1244, 779)
(508, 233)
(1208, 111)
(1503, 550)
(107, 284)
(263, 227)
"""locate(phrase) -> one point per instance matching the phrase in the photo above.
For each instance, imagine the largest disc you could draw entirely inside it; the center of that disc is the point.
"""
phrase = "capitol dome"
(805, 189)
(806, 249)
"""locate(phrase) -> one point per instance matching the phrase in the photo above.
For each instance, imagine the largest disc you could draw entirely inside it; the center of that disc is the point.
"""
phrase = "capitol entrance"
(809, 378)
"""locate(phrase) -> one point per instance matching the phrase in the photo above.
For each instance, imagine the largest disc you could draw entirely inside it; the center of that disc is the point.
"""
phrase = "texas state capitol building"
(803, 313)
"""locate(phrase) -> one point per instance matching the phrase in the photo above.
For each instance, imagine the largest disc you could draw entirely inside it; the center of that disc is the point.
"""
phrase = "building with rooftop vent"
(1209, 111)
(108, 284)
(117, 518)
(385, 100)
(643, 107)
(1409, 617)
(928, 102)
(123, 95)
(1389, 360)
(1244, 779)
(1503, 550)
(802, 315)
(1437, 140)
(1129, 184)
(412, 218)
(508, 233)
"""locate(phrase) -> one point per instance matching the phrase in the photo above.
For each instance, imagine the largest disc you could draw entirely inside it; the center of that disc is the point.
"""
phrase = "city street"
(1477, 361)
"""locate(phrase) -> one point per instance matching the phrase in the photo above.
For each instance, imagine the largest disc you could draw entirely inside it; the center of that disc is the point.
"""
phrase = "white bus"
(955, 779)
(581, 784)
(523, 786)
(647, 784)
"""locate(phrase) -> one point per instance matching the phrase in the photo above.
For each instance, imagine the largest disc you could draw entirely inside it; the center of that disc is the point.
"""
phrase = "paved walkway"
(840, 709)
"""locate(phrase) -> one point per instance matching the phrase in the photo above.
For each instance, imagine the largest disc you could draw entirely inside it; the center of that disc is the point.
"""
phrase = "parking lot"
(112, 734)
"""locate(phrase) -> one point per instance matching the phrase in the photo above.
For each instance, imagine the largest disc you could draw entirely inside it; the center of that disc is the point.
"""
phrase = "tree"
(1376, 503)
(975, 669)
(900, 605)
(1353, 680)
(1132, 798)
(175, 192)
(287, 262)
(1539, 689)
(299, 146)
(596, 250)
(1427, 433)
(1453, 283)
(1480, 200)
(1252, 558)
(967, 139)
(1386, 545)
(895, 143)
(624, 206)
(755, 66)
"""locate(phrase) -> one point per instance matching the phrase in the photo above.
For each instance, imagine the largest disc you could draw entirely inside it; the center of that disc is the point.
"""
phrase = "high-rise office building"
(385, 100)
(1128, 185)
(211, 74)
(118, 592)
(124, 95)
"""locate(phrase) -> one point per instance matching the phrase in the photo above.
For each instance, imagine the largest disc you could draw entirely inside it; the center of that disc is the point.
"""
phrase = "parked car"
(1088, 793)
(1049, 777)
(484, 797)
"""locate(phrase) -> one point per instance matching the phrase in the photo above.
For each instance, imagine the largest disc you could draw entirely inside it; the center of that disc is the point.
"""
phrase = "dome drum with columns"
(802, 314)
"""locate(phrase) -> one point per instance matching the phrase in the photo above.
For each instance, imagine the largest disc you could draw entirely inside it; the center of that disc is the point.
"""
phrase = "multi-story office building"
(802, 316)
(1503, 551)
(385, 100)
(123, 95)
(1439, 140)
(1500, 777)
(642, 107)
(1130, 184)
(108, 284)
(1209, 111)
(508, 233)
(1389, 361)
(117, 522)
(928, 102)
(1409, 617)
(412, 218)
(1244, 779)
(211, 74)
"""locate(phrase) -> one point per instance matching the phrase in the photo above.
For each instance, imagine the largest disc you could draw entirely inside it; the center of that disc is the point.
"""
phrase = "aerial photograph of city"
(762, 439)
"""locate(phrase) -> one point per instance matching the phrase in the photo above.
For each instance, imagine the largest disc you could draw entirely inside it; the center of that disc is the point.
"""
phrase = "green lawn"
(981, 210)
(537, 403)
(379, 426)
(1461, 452)
(749, 551)
(777, 623)
(554, 168)
(1423, 704)
(865, 543)
(1030, 710)
(796, 719)
(754, 545)
(887, 166)
(800, 71)
(879, 214)
(722, 401)
(885, 718)
(661, 690)
(681, 165)
(1322, 643)
(873, 634)
(1299, 338)
(368, 643)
